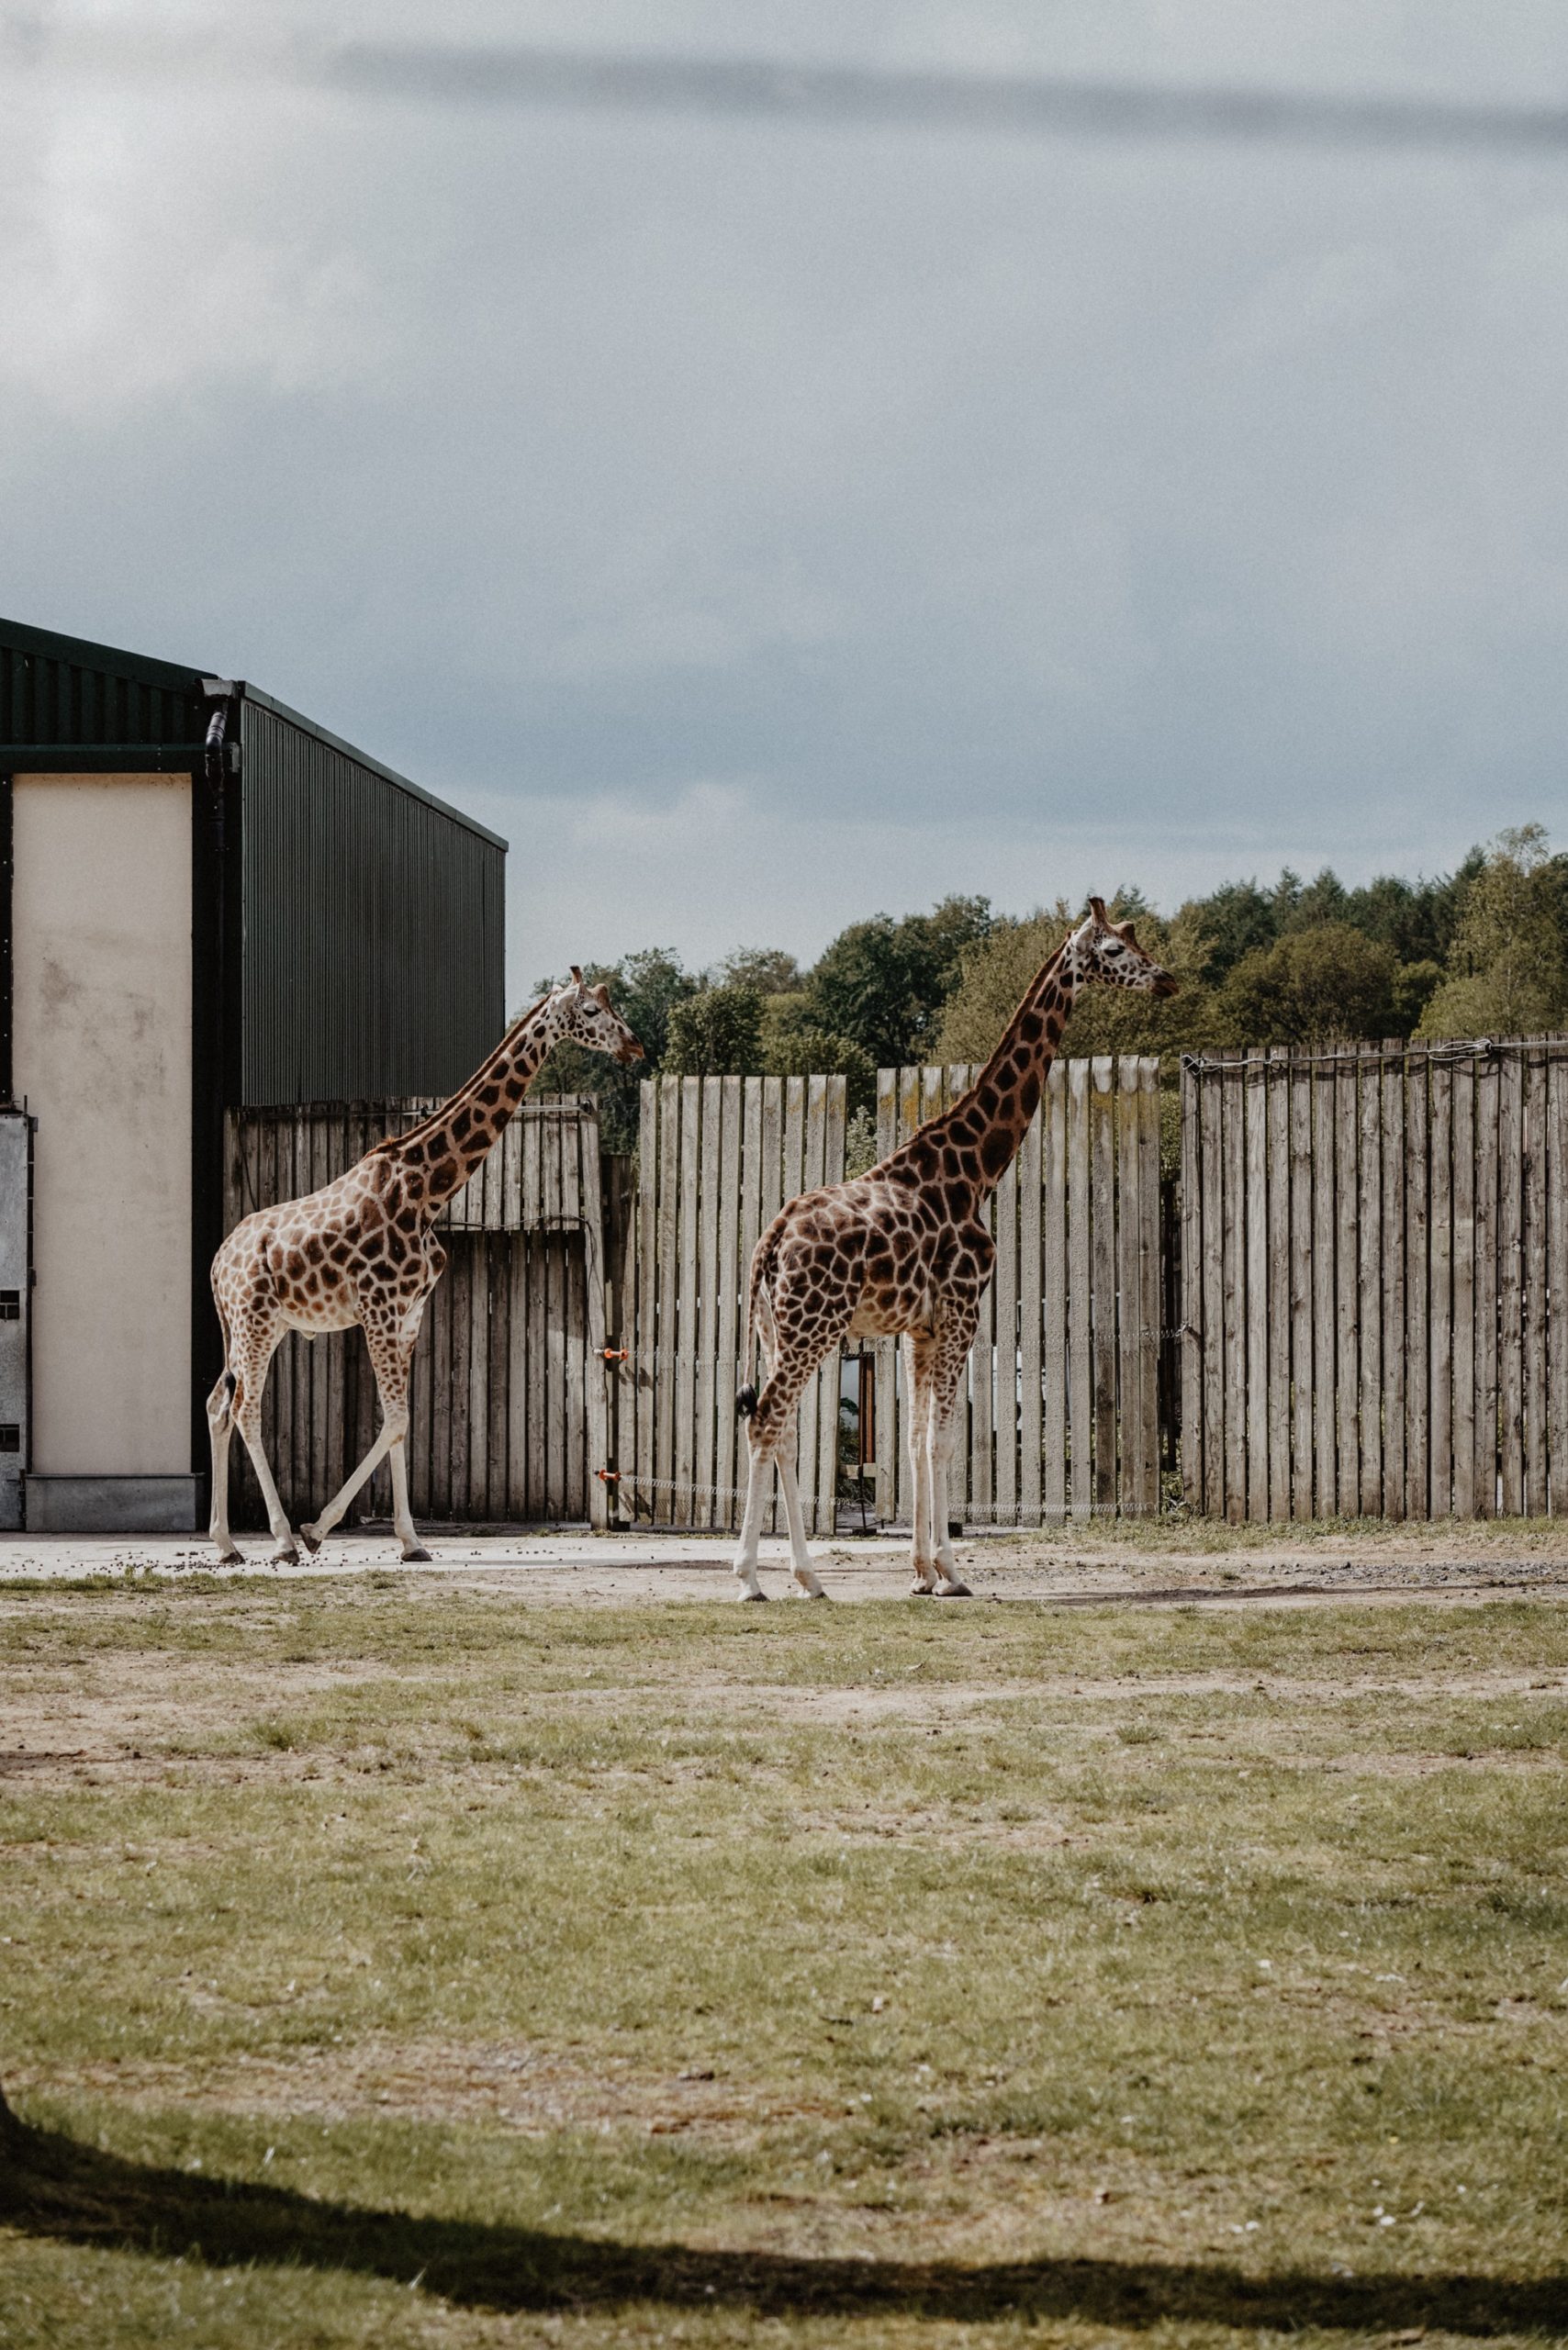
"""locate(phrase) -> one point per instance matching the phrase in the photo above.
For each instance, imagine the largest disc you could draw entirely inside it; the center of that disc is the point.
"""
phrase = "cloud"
(762, 525)
(126, 285)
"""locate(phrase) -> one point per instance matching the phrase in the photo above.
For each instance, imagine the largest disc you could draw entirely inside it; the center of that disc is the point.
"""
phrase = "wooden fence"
(508, 1393)
(1063, 1415)
(717, 1158)
(1375, 1247)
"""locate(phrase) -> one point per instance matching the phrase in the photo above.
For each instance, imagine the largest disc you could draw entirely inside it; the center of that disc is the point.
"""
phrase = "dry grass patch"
(879, 1976)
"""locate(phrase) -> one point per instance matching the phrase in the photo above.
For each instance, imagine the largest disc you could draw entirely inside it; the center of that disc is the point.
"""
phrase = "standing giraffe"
(362, 1249)
(902, 1249)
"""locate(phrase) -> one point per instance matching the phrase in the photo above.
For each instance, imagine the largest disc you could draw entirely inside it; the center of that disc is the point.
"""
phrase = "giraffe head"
(1108, 951)
(583, 1013)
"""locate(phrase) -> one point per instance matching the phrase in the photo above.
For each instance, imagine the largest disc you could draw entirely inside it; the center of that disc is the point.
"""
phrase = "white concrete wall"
(101, 953)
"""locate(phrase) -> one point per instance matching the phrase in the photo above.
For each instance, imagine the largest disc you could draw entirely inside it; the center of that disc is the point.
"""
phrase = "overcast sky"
(762, 524)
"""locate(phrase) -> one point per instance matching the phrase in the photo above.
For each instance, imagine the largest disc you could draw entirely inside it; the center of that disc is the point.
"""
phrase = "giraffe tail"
(761, 1268)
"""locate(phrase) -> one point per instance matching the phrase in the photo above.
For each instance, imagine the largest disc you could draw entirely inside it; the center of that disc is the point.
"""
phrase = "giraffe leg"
(389, 1360)
(410, 1548)
(759, 1460)
(954, 1337)
(220, 1428)
(917, 1353)
(751, 1524)
(251, 1372)
(794, 1336)
(795, 1518)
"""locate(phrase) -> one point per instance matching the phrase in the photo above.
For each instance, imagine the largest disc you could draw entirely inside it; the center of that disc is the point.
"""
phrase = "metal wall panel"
(374, 926)
(61, 689)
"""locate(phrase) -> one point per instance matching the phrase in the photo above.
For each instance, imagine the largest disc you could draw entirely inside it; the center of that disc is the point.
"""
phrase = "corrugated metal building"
(206, 901)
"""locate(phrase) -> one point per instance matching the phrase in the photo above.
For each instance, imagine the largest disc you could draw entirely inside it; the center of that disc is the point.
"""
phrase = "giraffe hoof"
(752, 1595)
(310, 1539)
(953, 1591)
(285, 1554)
(919, 1590)
(417, 1557)
(231, 1556)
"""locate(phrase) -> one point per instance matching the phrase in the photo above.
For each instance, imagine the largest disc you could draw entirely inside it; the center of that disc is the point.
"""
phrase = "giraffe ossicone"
(902, 1251)
(363, 1250)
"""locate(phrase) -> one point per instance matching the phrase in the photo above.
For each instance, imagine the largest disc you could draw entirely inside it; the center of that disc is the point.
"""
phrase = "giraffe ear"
(601, 995)
(1097, 908)
(576, 975)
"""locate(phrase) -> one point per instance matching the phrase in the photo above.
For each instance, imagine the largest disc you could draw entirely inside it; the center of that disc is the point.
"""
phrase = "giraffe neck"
(989, 1122)
(441, 1153)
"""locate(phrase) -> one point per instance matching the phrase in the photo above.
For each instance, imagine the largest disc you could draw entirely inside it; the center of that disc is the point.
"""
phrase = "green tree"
(1508, 966)
(1415, 984)
(1310, 987)
(803, 1050)
(772, 971)
(1322, 900)
(716, 1033)
(883, 983)
(645, 987)
(1104, 1020)
(1235, 919)
(994, 977)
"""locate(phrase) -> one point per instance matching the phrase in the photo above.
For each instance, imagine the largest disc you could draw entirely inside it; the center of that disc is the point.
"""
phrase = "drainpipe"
(221, 694)
(215, 1039)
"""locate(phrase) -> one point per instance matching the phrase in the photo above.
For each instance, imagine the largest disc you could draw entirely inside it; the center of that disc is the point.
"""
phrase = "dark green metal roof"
(66, 702)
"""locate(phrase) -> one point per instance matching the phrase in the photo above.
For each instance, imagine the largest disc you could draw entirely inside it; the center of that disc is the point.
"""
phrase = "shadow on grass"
(54, 2186)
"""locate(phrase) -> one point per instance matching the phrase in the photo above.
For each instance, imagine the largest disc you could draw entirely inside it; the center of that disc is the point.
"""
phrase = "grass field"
(391, 1963)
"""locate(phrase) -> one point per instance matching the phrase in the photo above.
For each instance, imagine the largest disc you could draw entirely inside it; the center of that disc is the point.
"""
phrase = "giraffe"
(902, 1249)
(362, 1249)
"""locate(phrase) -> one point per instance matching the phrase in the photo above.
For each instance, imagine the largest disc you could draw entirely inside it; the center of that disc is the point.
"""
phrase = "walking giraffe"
(362, 1249)
(902, 1249)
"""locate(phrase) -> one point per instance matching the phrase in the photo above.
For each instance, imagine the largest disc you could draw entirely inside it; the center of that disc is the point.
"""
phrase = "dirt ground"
(1164, 1562)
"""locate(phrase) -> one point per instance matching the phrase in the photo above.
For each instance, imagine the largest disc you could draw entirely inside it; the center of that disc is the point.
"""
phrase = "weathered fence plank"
(1510, 1288)
(1557, 1287)
(1414, 1359)
(1195, 1384)
(1233, 1260)
(1081, 1392)
(1417, 1486)
(1300, 1085)
(504, 1354)
(1534, 1264)
(1369, 1318)
(1487, 1103)
(1008, 1340)
(1054, 1362)
(1277, 1152)
(1254, 1318)
(1391, 1237)
(1031, 1308)
(1152, 1305)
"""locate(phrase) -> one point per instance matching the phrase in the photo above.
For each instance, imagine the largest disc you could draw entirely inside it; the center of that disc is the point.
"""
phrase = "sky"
(762, 524)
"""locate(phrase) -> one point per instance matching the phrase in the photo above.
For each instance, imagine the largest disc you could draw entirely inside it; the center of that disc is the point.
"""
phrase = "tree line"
(1481, 951)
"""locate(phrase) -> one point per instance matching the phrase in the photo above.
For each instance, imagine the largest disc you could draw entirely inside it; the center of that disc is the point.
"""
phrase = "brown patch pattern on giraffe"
(901, 1250)
(363, 1250)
